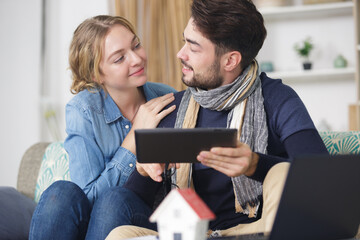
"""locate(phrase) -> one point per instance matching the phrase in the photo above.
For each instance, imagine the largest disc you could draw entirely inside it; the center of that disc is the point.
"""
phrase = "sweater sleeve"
(305, 141)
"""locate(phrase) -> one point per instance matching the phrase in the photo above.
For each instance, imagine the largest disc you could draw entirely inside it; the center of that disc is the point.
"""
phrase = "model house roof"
(188, 196)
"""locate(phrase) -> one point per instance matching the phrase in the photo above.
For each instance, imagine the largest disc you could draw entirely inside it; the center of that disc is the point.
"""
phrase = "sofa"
(44, 163)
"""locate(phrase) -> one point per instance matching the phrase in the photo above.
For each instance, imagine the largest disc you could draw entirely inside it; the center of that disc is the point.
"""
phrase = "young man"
(221, 41)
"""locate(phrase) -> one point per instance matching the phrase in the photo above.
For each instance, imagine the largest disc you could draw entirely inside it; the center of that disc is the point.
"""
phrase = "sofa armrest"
(29, 169)
(15, 214)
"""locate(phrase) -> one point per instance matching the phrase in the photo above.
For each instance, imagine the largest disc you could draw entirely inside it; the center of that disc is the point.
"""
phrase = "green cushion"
(347, 142)
(54, 167)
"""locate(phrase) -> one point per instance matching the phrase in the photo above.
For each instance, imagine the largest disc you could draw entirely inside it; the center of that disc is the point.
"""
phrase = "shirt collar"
(149, 92)
(111, 110)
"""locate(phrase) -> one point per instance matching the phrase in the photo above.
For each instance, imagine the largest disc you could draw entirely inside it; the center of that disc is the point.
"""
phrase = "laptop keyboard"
(254, 236)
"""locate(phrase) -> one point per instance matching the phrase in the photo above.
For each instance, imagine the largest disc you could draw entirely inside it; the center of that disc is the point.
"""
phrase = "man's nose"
(182, 54)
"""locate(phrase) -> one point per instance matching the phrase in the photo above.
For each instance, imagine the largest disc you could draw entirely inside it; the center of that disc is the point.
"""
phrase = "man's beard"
(211, 80)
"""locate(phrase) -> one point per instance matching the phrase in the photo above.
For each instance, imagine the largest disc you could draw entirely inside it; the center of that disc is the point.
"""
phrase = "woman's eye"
(137, 46)
(120, 59)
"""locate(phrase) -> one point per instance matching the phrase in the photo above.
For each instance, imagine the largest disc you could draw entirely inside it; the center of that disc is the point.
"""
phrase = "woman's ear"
(97, 80)
(232, 60)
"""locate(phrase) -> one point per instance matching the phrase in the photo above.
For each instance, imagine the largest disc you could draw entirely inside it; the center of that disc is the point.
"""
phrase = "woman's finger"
(156, 101)
(165, 112)
(160, 105)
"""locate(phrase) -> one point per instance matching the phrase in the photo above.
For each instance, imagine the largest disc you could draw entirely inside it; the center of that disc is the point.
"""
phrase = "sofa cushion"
(341, 142)
(15, 214)
(54, 167)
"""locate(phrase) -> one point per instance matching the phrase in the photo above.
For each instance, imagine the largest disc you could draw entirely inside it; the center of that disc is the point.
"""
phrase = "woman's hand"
(150, 114)
(153, 170)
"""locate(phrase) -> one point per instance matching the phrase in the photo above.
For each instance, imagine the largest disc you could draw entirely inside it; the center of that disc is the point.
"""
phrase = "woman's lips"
(138, 72)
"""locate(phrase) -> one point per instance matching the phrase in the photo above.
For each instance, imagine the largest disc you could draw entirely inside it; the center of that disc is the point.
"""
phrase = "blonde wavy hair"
(86, 50)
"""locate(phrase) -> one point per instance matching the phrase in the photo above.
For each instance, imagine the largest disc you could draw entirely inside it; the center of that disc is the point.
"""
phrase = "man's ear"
(232, 60)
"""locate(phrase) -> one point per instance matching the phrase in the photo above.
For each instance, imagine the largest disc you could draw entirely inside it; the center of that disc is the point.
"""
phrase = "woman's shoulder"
(87, 99)
(158, 89)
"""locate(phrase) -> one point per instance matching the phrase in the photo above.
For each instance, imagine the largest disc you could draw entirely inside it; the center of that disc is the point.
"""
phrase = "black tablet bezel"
(174, 145)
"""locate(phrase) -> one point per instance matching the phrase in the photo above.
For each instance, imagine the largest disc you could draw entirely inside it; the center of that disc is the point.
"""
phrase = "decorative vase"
(266, 67)
(307, 65)
(340, 62)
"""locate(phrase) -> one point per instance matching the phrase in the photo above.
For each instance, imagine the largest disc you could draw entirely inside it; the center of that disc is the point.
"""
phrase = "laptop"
(320, 200)
(174, 145)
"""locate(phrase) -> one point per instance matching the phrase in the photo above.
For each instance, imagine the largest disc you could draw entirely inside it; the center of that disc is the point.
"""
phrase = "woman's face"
(123, 63)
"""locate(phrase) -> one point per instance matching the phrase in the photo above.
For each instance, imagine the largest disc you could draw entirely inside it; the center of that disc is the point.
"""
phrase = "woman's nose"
(135, 58)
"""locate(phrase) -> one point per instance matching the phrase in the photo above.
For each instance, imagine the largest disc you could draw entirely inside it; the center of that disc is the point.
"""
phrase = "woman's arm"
(93, 169)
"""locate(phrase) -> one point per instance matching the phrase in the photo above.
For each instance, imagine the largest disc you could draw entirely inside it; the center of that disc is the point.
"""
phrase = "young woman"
(113, 98)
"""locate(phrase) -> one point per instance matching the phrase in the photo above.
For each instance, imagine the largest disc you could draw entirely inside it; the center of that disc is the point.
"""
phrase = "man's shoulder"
(275, 89)
(178, 96)
(169, 120)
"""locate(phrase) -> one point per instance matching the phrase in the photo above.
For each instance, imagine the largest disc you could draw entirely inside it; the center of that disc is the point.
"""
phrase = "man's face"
(201, 67)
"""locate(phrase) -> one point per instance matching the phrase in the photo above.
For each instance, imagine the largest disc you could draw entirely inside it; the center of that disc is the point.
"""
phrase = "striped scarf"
(244, 99)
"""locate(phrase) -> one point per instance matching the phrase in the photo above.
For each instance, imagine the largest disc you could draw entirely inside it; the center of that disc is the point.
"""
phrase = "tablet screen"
(174, 145)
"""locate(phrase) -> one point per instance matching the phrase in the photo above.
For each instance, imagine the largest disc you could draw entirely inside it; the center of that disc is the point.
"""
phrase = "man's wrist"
(253, 165)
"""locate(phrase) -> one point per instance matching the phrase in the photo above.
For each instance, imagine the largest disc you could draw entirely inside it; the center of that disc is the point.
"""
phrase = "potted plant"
(303, 49)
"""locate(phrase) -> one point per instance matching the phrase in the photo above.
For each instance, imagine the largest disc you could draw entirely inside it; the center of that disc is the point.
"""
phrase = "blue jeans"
(64, 212)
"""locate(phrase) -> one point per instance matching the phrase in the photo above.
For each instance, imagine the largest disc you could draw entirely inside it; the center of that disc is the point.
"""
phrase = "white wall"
(332, 35)
(62, 19)
(23, 96)
(20, 24)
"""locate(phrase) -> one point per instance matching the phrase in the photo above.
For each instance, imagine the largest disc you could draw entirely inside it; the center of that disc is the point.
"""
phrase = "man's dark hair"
(232, 25)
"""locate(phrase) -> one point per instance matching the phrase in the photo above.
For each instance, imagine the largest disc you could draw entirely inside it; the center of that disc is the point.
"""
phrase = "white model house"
(182, 215)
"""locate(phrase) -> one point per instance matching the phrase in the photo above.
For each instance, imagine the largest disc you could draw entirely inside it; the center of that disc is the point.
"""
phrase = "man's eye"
(120, 59)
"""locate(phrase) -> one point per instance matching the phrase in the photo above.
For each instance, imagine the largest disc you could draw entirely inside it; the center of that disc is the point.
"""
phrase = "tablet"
(174, 145)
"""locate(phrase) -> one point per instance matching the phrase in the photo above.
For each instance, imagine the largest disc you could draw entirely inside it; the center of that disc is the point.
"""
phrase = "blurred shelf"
(315, 75)
(313, 10)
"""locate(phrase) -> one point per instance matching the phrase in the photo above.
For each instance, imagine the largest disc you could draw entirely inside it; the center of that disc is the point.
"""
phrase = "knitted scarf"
(244, 99)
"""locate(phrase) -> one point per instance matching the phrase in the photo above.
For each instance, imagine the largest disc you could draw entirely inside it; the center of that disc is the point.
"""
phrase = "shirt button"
(127, 126)
(131, 165)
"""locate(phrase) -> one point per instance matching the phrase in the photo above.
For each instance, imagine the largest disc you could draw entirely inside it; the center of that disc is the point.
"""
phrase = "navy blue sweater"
(291, 133)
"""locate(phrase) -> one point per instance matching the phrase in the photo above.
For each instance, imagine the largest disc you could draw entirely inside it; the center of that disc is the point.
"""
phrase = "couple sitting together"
(111, 195)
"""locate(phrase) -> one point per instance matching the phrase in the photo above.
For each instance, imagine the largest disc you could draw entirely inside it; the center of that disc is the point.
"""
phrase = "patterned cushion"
(347, 142)
(54, 167)
(55, 164)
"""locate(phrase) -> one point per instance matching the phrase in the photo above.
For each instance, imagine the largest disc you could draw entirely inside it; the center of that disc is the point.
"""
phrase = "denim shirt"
(96, 129)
